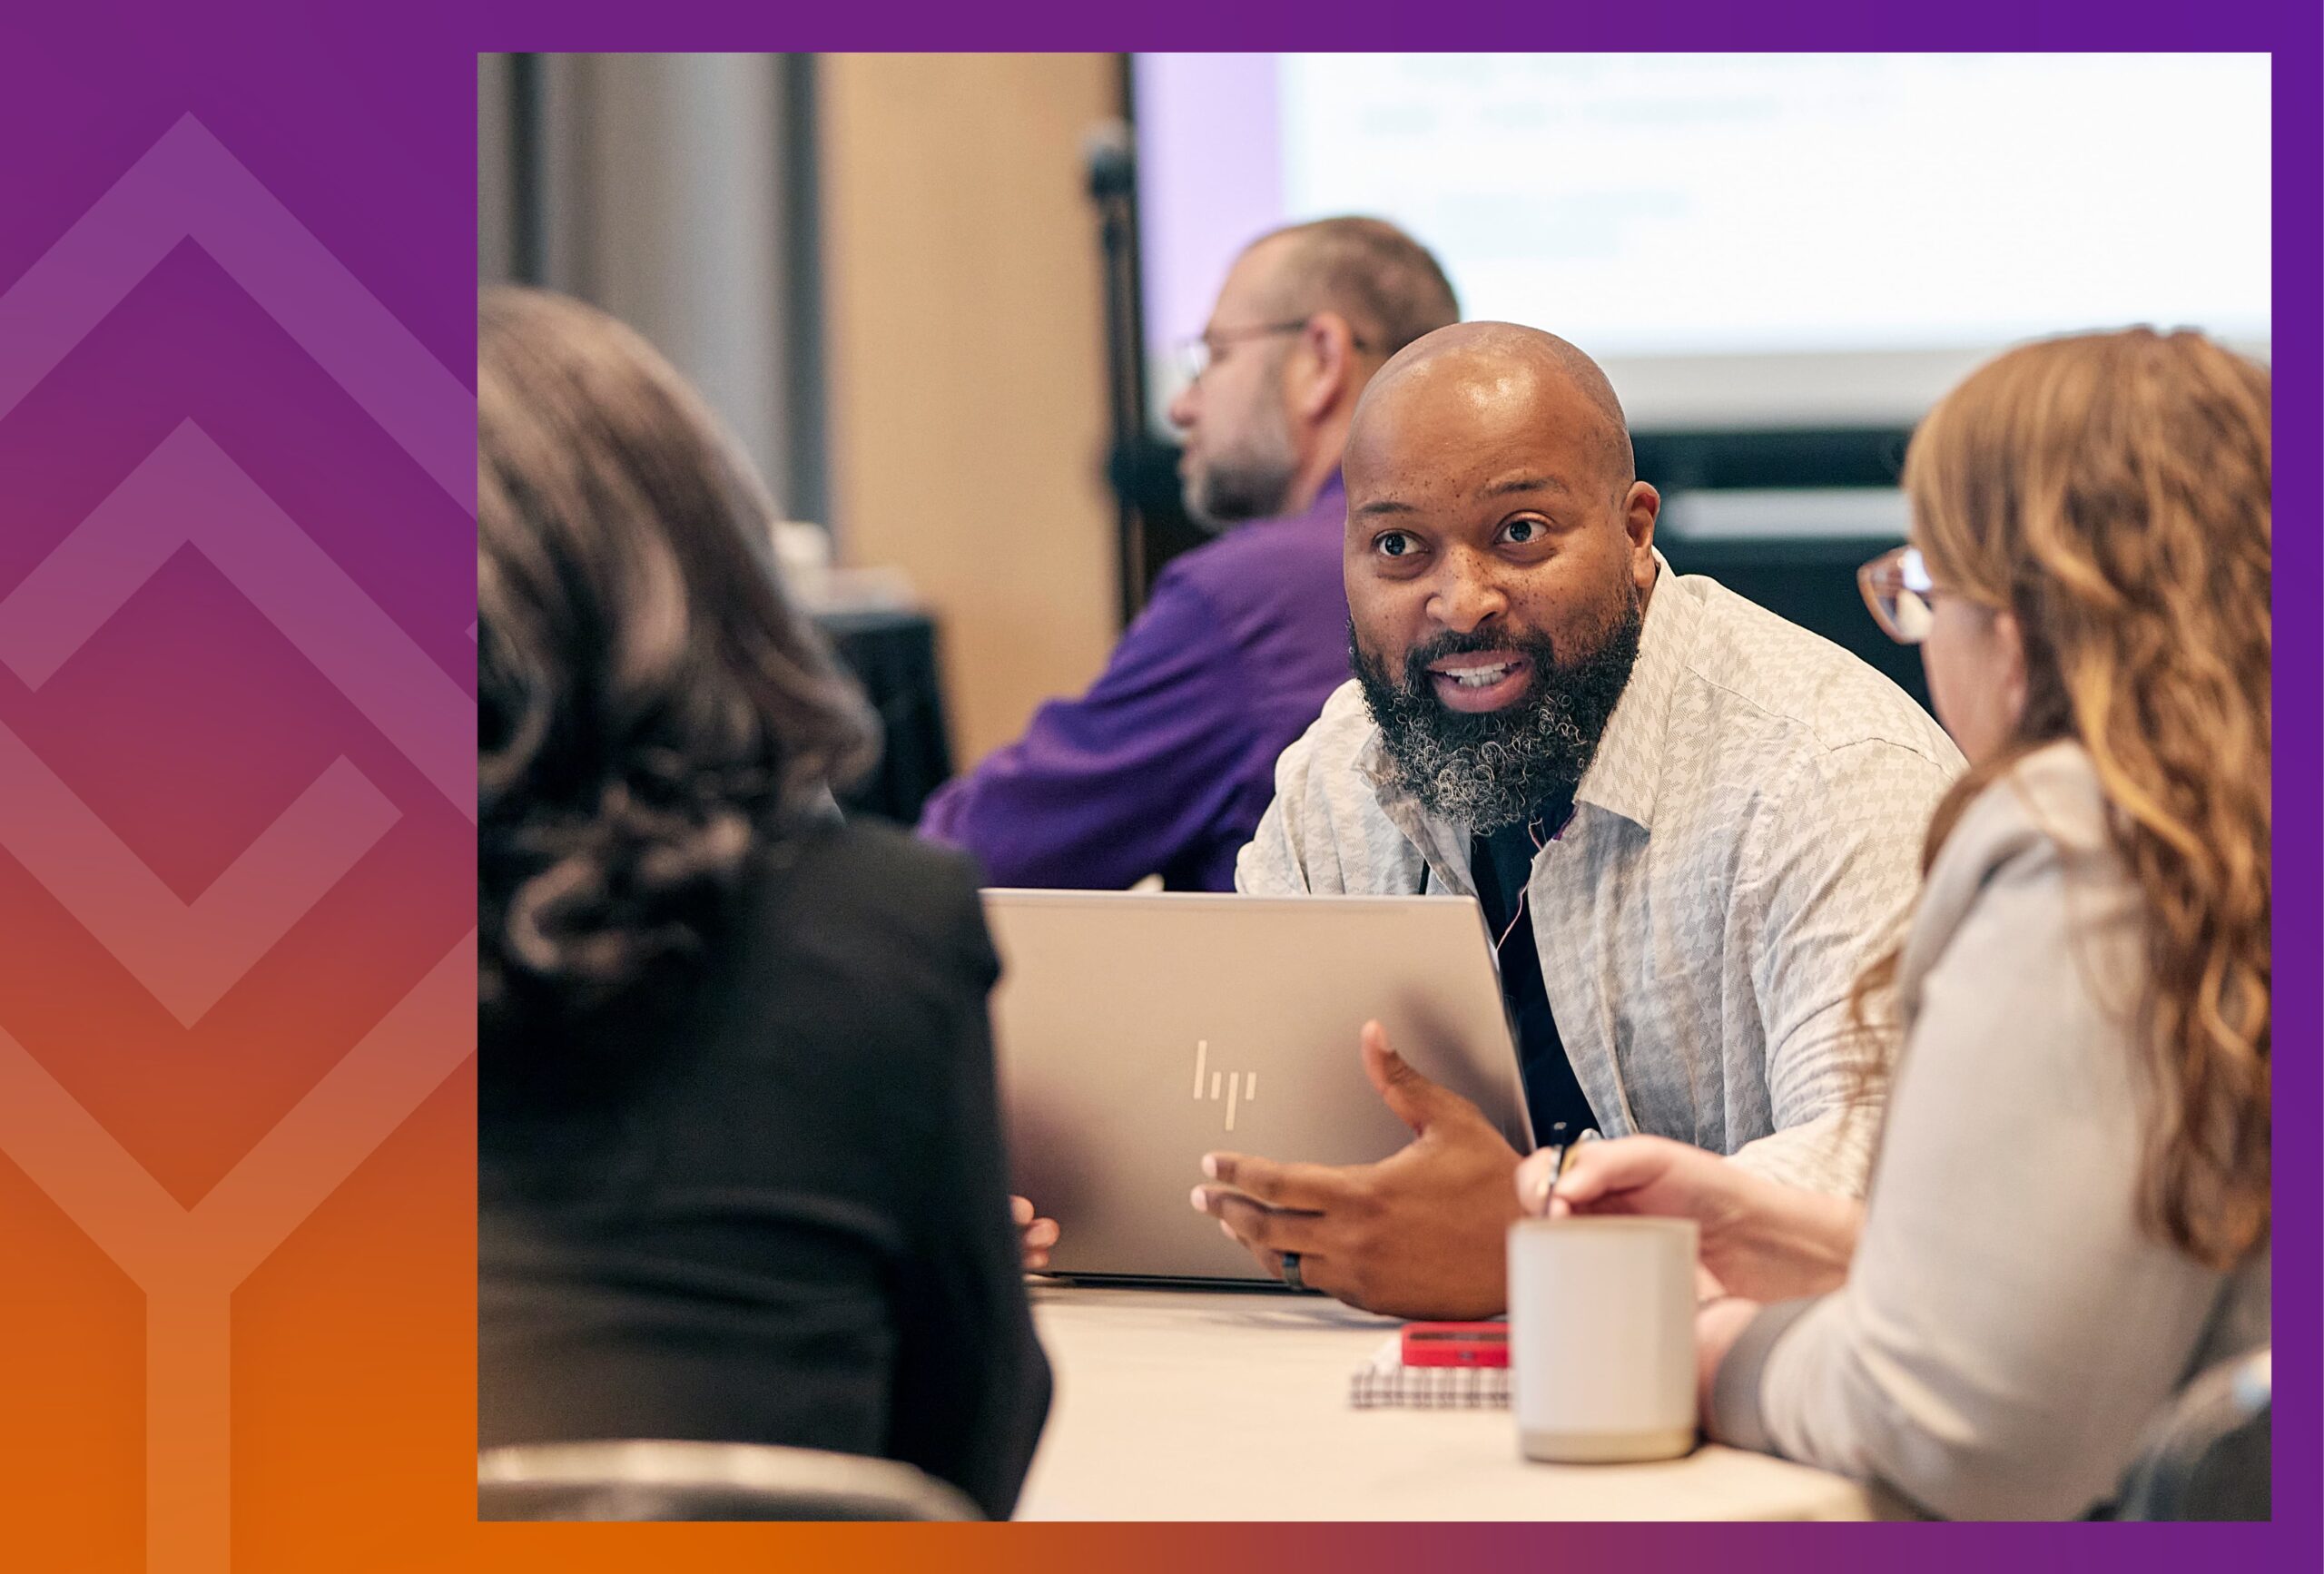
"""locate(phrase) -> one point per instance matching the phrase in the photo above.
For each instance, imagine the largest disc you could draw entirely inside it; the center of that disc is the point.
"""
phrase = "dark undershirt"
(1502, 864)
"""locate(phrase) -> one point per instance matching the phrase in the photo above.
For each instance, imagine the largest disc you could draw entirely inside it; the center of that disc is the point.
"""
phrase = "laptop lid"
(1137, 1031)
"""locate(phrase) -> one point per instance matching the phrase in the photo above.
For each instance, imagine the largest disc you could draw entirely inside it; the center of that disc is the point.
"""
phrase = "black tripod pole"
(1113, 187)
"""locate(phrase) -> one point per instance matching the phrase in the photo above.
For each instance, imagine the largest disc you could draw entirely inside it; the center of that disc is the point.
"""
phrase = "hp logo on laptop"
(1241, 1087)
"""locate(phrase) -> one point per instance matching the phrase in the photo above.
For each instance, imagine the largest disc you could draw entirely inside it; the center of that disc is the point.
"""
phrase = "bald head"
(1500, 372)
(1500, 558)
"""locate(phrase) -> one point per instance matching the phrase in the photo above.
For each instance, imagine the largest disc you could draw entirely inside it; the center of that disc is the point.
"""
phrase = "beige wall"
(964, 338)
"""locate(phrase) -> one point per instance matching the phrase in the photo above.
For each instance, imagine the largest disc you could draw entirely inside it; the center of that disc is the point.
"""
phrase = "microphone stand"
(1112, 168)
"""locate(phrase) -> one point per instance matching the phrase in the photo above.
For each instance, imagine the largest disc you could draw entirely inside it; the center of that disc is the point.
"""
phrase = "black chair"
(2208, 1455)
(893, 655)
(648, 1479)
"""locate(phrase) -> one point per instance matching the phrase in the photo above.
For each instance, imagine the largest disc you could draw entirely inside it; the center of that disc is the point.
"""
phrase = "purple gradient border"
(361, 120)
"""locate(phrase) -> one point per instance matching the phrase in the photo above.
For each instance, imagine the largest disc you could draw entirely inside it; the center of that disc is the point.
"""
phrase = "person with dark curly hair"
(740, 1169)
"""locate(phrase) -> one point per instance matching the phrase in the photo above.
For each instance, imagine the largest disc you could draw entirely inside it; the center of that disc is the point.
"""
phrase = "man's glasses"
(1196, 355)
(1903, 599)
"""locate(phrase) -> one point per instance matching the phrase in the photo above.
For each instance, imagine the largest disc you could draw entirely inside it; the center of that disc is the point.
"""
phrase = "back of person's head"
(2112, 492)
(651, 709)
(1388, 286)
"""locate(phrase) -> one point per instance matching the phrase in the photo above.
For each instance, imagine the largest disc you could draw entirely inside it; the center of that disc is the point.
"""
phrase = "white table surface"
(1191, 1406)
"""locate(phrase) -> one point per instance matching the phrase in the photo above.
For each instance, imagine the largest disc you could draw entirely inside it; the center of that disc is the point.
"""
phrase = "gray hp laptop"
(1136, 1032)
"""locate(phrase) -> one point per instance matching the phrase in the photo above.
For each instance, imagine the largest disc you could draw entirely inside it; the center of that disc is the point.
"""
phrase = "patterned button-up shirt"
(1746, 839)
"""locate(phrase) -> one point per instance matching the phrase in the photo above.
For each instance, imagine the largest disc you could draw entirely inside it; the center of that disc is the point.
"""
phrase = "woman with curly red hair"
(2069, 1214)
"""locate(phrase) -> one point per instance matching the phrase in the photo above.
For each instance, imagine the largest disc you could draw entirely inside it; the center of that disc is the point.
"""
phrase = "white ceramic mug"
(1601, 1337)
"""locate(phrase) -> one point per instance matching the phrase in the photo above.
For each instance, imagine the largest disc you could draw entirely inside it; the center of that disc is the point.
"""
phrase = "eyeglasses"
(1898, 590)
(1196, 355)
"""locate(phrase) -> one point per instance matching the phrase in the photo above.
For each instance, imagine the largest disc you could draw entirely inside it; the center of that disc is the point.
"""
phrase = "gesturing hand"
(1421, 1233)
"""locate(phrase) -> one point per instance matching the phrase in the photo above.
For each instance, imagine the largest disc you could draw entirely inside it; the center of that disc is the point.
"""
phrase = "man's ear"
(1326, 366)
(1642, 506)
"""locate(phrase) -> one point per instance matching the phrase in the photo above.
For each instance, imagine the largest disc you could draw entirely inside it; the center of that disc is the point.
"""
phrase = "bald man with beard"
(1690, 822)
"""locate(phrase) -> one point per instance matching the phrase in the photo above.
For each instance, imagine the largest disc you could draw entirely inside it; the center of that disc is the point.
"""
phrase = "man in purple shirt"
(1166, 765)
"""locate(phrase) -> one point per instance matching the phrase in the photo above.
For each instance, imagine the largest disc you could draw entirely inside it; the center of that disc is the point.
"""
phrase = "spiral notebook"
(1384, 1382)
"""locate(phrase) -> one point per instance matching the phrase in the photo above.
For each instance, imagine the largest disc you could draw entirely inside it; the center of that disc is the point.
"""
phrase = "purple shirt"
(1166, 765)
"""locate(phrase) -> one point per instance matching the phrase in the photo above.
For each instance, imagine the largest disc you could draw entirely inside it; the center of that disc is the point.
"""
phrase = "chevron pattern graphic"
(189, 493)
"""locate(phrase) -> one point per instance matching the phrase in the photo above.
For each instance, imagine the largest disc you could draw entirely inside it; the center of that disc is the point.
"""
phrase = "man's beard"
(1250, 481)
(1488, 770)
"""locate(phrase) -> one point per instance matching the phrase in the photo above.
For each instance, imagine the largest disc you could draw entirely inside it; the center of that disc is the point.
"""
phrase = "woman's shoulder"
(886, 859)
(900, 901)
(2038, 830)
(2050, 806)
